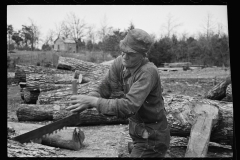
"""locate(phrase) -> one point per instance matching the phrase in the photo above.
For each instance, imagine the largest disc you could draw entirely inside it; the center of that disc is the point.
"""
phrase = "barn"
(62, 44)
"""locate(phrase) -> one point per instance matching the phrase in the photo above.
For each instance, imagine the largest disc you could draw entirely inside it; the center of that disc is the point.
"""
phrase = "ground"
(103, 141)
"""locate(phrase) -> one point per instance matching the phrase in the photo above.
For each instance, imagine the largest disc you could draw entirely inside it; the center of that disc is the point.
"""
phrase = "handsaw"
(38, 133)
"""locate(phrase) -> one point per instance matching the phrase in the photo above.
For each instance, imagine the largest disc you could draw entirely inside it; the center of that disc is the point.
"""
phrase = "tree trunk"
(57, 112)
(90, 70)
(22, 70)
(181, 114)
(30, 96)
(47, 79)
(73, 64)
(126, 145)
(71, 138)
(218, 92)
(64, 93)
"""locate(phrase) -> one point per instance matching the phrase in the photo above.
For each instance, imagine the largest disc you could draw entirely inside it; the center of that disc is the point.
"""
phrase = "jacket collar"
(134, 69)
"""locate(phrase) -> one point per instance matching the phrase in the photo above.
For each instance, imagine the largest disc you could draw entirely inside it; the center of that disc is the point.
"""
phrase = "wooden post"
(201, 131)
(75, 82)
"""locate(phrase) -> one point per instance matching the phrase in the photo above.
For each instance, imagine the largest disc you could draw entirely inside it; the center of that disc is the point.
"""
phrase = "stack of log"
(34, 80)
(181, 114)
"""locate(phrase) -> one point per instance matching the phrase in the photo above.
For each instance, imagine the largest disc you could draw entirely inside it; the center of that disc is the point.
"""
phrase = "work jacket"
(136, 94)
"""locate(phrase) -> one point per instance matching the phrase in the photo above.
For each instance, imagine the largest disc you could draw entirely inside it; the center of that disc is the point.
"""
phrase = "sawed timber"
(201, 131)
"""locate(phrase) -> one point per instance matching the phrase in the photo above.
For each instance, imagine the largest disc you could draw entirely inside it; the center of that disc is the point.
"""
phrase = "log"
(92, 71)
(126, 145)
(37, 77)
(55, 112)
(64, 93)
(68, 63)
(71, 138)
(47, 82)
(228, 97)
(22, 70)
(181, 114)
(218, 92)
(30, 96)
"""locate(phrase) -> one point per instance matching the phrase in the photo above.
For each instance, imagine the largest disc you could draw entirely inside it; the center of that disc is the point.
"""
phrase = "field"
(103, 141)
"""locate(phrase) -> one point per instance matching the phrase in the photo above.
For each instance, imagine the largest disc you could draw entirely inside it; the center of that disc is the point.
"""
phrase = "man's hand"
(81, 103)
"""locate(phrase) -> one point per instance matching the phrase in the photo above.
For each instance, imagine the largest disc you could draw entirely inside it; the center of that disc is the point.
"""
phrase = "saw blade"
(73, 119)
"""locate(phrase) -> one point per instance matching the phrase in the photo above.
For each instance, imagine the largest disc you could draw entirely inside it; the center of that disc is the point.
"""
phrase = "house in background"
(62, 44)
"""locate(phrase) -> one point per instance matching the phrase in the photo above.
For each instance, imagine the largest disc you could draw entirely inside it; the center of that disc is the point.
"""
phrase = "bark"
(71, 138)
(47, 79)
(64, 93)
(218, 92)
(92, 71)
(181, 114)
(126, 145)
(30, 96)
(56, 112)
(16, 149)
(22, 70)
(73, 64)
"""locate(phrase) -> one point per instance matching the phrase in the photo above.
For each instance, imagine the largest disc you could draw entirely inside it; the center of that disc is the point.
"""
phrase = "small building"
(62, 44)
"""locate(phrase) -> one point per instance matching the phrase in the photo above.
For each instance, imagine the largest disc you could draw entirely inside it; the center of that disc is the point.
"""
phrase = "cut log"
(228, 97)
(55, 112)
(65, 93)
(22, 70)
(30, 96)
(218, 92)
(73, 64)
(201, 131)
(126, 145)
(32, 112)
(181, 114)
(71, 138)
(89, 70)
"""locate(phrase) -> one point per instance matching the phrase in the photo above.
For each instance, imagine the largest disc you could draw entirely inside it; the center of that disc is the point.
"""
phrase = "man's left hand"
(81, 103)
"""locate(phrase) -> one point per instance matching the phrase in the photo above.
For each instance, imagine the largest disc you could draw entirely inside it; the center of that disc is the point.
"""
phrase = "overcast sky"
(150, 18)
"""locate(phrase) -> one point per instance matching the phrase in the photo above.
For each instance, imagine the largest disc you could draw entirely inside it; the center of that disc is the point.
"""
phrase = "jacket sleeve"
(128, 106)
(110, 82)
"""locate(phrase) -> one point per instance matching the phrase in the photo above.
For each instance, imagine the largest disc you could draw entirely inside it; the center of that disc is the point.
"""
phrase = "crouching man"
(136, 84)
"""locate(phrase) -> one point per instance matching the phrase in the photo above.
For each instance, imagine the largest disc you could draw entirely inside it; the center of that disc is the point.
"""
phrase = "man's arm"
(126, 107)
(110, 83)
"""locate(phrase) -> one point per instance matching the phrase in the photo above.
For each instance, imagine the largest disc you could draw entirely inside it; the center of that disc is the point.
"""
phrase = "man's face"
(131, 59)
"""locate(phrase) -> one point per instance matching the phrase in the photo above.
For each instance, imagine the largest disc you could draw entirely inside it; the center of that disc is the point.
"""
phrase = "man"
(132, 89)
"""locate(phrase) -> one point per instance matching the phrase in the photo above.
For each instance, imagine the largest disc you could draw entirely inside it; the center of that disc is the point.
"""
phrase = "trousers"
(149, 140)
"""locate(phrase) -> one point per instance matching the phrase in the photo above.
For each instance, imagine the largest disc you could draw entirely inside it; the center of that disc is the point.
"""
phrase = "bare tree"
(76, 26)
(35, 33)
(65, 30)
(50, 37)
(58, 29)
(209, 25)
(103, 32)
(220, 29)
(91, 33)
(171, 25)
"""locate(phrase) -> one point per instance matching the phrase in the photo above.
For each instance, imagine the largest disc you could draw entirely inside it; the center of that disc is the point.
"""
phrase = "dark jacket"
(135, 94)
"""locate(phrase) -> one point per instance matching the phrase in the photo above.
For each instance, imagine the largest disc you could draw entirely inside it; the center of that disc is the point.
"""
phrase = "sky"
(151, 18)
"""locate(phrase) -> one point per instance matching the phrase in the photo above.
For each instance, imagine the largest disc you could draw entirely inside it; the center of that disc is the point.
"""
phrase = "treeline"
(207, 49)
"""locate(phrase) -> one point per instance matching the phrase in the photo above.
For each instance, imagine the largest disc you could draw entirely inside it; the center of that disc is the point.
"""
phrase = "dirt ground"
(103, 141)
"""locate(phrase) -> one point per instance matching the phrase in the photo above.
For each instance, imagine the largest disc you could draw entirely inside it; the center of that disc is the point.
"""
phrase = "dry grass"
(49, 58)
